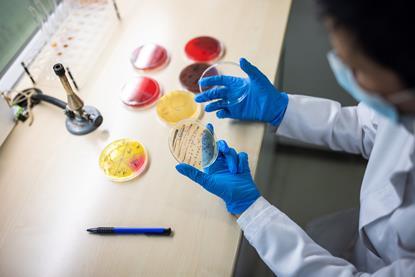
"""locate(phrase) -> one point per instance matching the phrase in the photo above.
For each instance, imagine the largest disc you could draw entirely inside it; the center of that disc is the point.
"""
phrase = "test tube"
(116, 9)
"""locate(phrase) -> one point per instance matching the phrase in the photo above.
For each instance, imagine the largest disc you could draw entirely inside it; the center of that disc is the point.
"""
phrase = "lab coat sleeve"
(324, 122)
(289, 251)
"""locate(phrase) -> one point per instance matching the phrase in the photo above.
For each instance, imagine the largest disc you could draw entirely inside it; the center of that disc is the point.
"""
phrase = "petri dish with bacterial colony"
(140, 92)
(204, 49)
(149, 56)
(176, 106)
(123, 160)
(190, 75)
(192, 143)
(240, 85)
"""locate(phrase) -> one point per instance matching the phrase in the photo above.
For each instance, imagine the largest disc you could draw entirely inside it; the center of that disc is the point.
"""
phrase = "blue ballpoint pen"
(129, 231)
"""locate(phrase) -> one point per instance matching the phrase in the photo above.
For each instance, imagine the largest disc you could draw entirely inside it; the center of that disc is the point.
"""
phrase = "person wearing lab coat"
(373, 59)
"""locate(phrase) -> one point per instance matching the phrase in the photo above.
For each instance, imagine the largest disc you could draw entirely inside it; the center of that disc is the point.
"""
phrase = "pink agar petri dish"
(203, 49)
(149, 57)
(140, 92)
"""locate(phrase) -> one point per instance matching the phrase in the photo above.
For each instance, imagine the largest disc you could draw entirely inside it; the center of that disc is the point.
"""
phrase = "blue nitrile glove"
(228, 177)
(263, 102)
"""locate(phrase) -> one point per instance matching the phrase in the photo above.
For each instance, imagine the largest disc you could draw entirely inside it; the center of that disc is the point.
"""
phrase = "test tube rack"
(77, 42)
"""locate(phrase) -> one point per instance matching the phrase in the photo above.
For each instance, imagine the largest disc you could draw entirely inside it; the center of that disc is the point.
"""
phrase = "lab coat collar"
(382, 202)
(385, 184)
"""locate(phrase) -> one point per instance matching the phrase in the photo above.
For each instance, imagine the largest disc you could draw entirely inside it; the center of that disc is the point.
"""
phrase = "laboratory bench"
(52, 189)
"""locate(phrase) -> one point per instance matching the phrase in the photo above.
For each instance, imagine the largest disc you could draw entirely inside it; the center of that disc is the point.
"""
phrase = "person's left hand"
(264, 102)
(229, 177)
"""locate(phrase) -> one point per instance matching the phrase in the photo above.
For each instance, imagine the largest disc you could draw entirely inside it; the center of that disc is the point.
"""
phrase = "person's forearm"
(324, 122)
(285, 247)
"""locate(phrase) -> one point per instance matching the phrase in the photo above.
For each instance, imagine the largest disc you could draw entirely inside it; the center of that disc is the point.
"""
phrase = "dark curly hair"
(383, 29)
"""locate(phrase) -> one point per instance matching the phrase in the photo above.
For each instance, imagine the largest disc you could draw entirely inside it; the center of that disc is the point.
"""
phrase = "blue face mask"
(346, 79)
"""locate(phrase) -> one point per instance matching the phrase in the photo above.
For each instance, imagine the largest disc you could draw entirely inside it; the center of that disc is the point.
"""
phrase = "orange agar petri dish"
(176, 106)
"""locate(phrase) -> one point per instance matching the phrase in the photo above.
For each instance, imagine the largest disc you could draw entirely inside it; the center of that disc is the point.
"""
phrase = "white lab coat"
(386, 243)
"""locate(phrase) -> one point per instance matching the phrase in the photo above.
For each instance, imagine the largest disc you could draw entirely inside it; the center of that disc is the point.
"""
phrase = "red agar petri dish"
(149, 56)
(190, 75)
(140, 92)
(203, 49)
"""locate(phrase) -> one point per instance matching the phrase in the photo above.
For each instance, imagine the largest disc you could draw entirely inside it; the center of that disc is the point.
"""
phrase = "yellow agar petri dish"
(176, 106)
(123, 160)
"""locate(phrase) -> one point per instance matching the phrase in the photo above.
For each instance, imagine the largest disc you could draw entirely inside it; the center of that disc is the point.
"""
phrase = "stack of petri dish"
(202, 51)
(142, 91)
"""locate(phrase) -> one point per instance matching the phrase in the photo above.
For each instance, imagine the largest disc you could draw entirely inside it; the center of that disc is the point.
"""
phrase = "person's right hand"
(229, 178)
(263, 102)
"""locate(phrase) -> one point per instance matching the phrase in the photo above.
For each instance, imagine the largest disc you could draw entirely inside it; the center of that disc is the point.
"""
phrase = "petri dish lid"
(149, 56)
(176, 106)
(140, 92)
(192, 143)
(240, 89)
(204, 49)
(190, 75)
(123, 160)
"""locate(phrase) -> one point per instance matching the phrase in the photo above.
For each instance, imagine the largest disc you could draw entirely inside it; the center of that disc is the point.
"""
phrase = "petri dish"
(140, 92)
(123, 160)
(240, 88)
(204, 49)
(192, 143)
(190, 75)
(149, 56)
(176, 106)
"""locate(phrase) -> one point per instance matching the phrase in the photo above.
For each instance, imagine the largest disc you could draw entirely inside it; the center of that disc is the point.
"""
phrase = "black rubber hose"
(50, 99)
